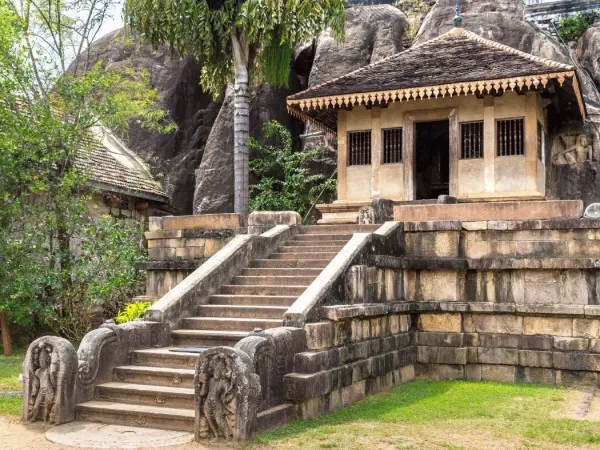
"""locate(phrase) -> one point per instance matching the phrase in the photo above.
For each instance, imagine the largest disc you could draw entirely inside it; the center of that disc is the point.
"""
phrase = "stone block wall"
(545, 349)
(179, 245)
(348, 359)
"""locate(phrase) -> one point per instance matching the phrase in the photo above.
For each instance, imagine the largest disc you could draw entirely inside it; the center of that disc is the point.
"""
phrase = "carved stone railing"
(237, 386)
(56, 378)
(336, 285)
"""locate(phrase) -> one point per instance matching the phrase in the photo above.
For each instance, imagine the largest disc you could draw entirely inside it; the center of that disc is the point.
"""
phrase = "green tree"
(284, 183)
(49, 116)
(236, 40)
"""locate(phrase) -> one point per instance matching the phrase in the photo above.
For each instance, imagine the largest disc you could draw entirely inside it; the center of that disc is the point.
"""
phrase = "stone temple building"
(458, 115)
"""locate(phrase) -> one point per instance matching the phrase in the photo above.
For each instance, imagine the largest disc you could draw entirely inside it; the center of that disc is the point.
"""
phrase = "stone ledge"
(190, 234)
(416, 263)
(170, 265)
(346, 312)
(433, 225)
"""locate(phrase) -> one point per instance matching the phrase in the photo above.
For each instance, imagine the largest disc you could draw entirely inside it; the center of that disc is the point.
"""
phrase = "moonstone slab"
(99, 435)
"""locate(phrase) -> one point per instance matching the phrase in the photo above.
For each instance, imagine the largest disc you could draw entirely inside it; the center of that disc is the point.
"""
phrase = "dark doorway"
(432, 159)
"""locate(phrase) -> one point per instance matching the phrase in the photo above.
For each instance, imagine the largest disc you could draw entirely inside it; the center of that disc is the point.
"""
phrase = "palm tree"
(236, 40)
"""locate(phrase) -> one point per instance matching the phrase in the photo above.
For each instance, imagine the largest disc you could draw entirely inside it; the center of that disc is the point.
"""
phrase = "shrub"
(572, 28)
(284, 184)
(132, 311)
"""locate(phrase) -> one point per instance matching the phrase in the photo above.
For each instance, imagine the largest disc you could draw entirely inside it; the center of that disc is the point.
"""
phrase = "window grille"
(359, 148)
(510, 137)
(540, 141)
(471, 135)
(392, 145)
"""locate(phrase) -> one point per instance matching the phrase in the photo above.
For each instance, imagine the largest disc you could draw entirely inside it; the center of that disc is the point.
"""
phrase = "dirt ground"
(15, 436)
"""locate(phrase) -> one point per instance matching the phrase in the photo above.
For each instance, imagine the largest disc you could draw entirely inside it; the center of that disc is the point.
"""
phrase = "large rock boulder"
(499, 20)
(372, 33)
(588, 52)
(172, 156)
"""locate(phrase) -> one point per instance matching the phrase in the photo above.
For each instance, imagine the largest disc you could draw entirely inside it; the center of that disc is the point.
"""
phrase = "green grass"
(447, 412)
(10, 368)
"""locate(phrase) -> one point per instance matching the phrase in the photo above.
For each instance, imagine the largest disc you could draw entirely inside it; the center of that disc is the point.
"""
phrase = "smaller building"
(458, 115)
(123, 186)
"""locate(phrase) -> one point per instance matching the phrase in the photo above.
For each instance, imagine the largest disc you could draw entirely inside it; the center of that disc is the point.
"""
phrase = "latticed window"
(359, 148)
(540, 141)
(392, 145)
(510, 137)
(471, 137)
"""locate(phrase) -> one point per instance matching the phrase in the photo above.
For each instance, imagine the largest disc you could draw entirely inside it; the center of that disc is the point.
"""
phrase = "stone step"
(278, 272)
(163, 357)
(290, 263)
(325, 244)
(157, 376)
(306, 249)
(141, 394)
(229, 324)
(206, 338)
(313, 237)
(263, 290)
(338, 229)
(242, 311)
(322, 255)
(253, 300)
(179, 419)
(274, 280)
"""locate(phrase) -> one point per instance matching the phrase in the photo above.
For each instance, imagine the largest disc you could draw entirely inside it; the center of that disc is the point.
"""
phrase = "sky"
(113, 23)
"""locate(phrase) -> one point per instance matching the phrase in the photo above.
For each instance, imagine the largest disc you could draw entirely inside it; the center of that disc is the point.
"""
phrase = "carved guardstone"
(227, 395)
(49, 377)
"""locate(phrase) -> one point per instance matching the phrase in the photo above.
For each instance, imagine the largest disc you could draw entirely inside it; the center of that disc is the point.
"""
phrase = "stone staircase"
(157, 389)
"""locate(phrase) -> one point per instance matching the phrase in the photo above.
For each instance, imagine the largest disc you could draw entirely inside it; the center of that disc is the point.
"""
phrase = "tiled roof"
(117, 167)
(457, 56)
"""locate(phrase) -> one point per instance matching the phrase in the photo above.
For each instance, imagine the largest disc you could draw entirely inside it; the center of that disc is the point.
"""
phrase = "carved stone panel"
(227, 395)
(573, 148)
(49, 377)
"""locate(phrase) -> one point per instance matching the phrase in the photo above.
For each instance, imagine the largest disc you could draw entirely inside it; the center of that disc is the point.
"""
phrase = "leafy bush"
(132, 311)
(284, 183)
(572, 28)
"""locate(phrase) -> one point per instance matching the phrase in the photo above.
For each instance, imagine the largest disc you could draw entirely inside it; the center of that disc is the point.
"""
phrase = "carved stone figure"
(49, 378)
(227, 392)
(580, 152)
(366, 216)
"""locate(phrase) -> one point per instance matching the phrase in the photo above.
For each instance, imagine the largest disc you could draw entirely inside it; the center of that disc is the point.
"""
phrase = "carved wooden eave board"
(456, 63)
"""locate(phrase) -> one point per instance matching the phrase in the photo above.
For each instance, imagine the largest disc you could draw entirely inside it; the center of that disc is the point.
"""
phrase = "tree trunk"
(241, 117)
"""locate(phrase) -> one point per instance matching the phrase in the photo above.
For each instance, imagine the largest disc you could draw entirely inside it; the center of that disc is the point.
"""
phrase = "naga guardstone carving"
(49, 378)
(227, 393)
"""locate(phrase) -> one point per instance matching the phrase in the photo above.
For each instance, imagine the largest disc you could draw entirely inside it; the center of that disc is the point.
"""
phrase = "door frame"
(411, 118)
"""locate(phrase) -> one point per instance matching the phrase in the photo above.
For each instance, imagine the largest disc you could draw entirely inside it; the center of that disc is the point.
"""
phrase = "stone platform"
(491, 211)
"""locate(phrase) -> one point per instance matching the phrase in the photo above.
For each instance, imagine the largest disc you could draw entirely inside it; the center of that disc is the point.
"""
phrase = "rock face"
(499, 20)
(372, 33)
(175, 155)
(588, 52)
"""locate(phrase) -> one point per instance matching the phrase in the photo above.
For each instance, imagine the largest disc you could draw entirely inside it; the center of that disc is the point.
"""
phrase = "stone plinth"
(491, 211)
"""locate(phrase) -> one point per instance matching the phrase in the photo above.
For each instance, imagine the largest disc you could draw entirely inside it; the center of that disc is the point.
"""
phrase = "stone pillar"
(376, 150)
(342, 155)
(489, 144)
(454, 148)
(531, 142)
(408, 154)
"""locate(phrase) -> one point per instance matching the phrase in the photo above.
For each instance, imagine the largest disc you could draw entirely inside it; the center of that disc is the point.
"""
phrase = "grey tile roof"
(106, 169)
(457, 56)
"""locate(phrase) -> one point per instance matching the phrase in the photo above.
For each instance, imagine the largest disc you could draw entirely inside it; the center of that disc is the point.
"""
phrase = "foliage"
(284, 183)
(413, 10)
(10, 368)
(53, 253)
(441, 414)
(132, 311)
(206, 29)
(572, 28)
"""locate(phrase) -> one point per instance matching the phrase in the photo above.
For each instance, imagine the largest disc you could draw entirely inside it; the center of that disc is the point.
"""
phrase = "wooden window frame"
(401, 145)
(522, 137)
(481, 151)
(350, 160)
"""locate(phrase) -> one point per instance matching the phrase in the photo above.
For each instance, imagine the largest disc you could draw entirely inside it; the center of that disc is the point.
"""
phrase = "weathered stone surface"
(497, 356)
(504, 374)
(490, 323)
(440, 322)
(227, 395)
(372, 33)
(441, 355)
(592, 211)
(548, 326)
(532, 358)
(320, 335)
(571, 344)
(49, 378)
